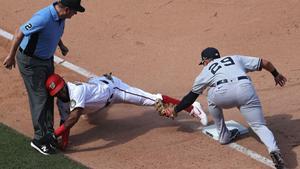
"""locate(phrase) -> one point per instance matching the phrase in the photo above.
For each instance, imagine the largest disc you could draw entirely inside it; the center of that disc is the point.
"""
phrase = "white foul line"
(73, 67)
(88, 74)
(252, 154)
(5, 34)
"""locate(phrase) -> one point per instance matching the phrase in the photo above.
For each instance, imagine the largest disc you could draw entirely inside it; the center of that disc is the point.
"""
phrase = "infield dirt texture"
(155, 45)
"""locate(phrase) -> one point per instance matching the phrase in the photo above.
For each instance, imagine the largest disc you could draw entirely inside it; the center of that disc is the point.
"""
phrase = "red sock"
(60, 130)
(168, 99)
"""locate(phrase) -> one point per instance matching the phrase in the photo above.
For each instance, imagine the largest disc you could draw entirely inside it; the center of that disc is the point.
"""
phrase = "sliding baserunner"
(100, 92)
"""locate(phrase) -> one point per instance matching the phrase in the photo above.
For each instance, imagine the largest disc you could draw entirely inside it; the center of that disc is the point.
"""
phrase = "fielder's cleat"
(43, 149)
(277, 159)
(234, 133)
(198, 112)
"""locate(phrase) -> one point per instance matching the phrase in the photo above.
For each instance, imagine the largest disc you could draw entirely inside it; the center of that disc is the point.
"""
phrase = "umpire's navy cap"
(73, 4)
(209, 53)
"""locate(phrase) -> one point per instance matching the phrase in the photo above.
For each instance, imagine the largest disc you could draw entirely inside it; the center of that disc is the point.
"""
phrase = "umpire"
(34, 45)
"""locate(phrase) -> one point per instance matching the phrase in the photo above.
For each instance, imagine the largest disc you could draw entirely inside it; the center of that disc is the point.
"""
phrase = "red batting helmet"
(54, 84)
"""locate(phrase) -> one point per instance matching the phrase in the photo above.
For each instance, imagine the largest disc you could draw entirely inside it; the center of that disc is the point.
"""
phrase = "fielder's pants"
(242, 95)
(34, 73)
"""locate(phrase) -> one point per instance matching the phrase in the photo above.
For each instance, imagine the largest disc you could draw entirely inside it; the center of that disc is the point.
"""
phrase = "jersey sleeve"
(35, 24)
(77, 98)
(200, 82)
(250, 63)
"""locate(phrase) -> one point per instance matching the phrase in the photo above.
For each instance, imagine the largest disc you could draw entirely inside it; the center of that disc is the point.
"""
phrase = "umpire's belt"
(226, 81)
(33, 56)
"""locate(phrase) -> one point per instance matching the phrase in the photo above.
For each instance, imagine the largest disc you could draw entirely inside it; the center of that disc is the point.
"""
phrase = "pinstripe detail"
(259, 65)
(134, 94)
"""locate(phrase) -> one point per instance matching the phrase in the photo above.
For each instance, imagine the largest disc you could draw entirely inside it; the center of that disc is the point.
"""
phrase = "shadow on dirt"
(122, 130)
(286, 131)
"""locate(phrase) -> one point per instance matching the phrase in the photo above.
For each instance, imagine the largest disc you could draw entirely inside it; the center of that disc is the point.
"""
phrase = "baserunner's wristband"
(275, 73)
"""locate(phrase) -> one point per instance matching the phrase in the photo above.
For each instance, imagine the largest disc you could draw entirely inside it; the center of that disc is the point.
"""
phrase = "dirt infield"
(155, 45)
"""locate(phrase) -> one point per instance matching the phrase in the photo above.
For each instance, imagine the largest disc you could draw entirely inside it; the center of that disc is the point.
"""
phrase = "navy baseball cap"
(209, 53)
(73, 4)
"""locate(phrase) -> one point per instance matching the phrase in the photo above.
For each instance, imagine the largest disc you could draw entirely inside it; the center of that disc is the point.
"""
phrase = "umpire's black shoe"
(43, 149)
(277, 159)
(49, 139)
(234, 133)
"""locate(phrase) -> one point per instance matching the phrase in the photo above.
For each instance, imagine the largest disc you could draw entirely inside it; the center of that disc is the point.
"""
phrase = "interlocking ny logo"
(44, 148)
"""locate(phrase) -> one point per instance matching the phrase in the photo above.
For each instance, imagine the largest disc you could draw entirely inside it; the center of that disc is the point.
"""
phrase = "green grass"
(16, 152)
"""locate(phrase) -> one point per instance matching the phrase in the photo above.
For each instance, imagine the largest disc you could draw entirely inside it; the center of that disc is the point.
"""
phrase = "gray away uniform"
(229, 87)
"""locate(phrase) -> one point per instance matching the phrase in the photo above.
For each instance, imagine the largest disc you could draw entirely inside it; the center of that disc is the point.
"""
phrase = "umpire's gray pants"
(34, 73)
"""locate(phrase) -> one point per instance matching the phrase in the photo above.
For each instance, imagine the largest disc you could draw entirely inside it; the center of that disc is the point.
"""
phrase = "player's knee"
(257, 126)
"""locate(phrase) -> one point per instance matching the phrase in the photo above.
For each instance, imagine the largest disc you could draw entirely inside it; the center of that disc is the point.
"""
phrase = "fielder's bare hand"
(280, 79)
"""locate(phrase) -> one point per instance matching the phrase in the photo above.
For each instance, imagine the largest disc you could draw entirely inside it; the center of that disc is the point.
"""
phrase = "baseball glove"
(164, 109)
